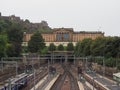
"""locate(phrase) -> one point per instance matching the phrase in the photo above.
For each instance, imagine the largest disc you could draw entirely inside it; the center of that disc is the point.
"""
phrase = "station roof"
(117, 75)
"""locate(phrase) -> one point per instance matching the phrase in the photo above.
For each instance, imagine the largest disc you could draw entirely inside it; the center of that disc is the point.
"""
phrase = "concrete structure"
(116, 77)
(63, 36)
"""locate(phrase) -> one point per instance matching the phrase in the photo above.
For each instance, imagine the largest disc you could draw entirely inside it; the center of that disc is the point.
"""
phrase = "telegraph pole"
(9, 88)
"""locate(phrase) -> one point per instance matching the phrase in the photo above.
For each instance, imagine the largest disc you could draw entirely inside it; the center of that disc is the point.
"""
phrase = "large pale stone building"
(63, 36)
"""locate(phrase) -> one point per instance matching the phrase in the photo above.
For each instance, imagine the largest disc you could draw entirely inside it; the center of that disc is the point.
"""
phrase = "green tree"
(44, 51)
(52, 47)
(70, 47)
(112, 47)
(4, 26)
(86, 43)
(77, 49)
(110, 62)
(15, 37)
(3, 45)
(83, 48)
(14, 50)
(60, 47)
(97, 46)
(24, 49)
(15, 34)
(36, 43)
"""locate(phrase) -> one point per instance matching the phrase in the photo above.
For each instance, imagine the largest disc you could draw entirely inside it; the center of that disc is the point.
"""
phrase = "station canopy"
(116, 76)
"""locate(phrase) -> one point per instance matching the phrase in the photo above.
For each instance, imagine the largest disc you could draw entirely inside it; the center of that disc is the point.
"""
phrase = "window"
(65, 36)
(62, 36)
(59, 36)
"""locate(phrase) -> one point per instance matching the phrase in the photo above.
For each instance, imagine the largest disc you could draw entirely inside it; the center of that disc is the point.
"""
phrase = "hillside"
(27, 26)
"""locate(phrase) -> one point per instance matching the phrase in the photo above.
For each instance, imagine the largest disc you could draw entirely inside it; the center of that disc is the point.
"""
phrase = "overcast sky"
(82, 15)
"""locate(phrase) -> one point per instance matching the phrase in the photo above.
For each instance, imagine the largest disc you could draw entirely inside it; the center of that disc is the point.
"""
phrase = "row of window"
(62, 36)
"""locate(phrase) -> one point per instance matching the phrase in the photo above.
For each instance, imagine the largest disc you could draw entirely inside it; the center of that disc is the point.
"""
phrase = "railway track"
(6, 75)
(75, 74)
(97, 85)
(38, 76)
(12, 72)
(65, 81)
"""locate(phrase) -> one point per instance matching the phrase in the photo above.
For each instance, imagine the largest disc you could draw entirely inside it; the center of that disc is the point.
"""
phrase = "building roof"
(68, 29)
(90, 32)
(117, 75)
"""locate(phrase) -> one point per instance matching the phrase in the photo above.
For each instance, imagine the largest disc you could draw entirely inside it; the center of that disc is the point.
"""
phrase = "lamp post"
(9, 85)
(93, 83)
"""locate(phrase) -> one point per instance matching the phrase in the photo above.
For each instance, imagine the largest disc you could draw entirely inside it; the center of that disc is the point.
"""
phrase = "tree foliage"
(3, 45)
(13, 37)
(102, 46)
(83, 48)
(112, 47)
(60, 47)
(14, 50)
(36, 43)
(15, 34)
(97, 47)
(70, 47)
(52, 47)
(77, 49)
(13, 30)
(107, 47)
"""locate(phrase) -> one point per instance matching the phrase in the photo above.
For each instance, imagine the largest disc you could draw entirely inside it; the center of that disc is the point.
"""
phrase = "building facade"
(64, 36)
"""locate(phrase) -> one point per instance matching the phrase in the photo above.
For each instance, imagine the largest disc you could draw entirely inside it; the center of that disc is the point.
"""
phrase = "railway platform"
(40, 82)
(51, 83)
(104, 82)
(90, 86)
(81, 87)
(46, 83)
